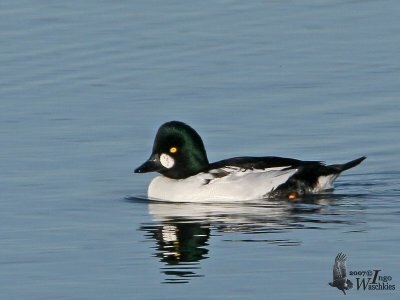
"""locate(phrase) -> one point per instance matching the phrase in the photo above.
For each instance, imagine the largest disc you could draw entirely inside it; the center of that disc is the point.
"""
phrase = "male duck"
(179, 155)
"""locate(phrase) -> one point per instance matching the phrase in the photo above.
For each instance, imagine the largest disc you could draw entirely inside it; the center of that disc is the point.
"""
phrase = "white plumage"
(206, 187)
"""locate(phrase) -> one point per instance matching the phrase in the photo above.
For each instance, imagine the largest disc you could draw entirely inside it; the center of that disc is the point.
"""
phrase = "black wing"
(249, 162)
(308, 171)
(343, 265)
(339, 267)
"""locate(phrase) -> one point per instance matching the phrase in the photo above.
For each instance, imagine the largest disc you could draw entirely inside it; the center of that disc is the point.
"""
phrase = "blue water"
(84, 87)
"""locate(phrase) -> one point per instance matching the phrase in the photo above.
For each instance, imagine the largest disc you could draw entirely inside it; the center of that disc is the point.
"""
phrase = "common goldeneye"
(186, 175)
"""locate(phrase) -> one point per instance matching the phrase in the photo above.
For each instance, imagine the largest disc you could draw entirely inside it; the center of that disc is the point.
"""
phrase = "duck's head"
(178, 152)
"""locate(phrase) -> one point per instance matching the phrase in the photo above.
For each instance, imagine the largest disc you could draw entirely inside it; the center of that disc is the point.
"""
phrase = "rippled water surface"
(83, 89)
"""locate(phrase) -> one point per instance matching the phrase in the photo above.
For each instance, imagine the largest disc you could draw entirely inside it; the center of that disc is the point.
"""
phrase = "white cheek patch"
(167, 161)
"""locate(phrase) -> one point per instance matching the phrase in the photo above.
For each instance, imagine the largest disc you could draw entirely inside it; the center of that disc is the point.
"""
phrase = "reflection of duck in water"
(180, 242)
(182, 230)
(179, 155)
(180, 246)
(223, 215)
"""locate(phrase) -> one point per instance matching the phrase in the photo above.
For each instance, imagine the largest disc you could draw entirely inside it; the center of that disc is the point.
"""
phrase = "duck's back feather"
(261, 163)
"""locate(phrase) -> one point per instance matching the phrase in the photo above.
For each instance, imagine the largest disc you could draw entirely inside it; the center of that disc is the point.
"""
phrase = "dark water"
(83, 88)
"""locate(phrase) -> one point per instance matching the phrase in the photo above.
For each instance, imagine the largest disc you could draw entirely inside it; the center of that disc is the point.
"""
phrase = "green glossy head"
(178, 152)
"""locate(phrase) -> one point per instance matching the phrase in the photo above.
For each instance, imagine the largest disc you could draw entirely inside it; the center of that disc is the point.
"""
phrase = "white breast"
(238, 185)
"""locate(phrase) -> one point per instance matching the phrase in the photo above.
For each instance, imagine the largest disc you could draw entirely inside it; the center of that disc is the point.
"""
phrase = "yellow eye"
(173, 149)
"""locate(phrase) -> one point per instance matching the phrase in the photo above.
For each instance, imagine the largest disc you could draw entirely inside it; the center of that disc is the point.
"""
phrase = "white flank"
(239, 184)
(325, 183)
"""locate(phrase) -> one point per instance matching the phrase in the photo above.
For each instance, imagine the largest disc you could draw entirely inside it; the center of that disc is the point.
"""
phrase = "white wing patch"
(233, 169)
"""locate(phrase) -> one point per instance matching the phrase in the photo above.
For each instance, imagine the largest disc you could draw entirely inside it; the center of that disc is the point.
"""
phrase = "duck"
(186, 175)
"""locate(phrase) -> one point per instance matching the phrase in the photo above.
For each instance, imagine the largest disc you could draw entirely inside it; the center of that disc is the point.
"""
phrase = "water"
(83, 88)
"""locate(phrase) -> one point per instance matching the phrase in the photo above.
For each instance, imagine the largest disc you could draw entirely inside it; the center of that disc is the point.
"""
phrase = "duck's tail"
(312, 177)
(326, 175)
(338, 168)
